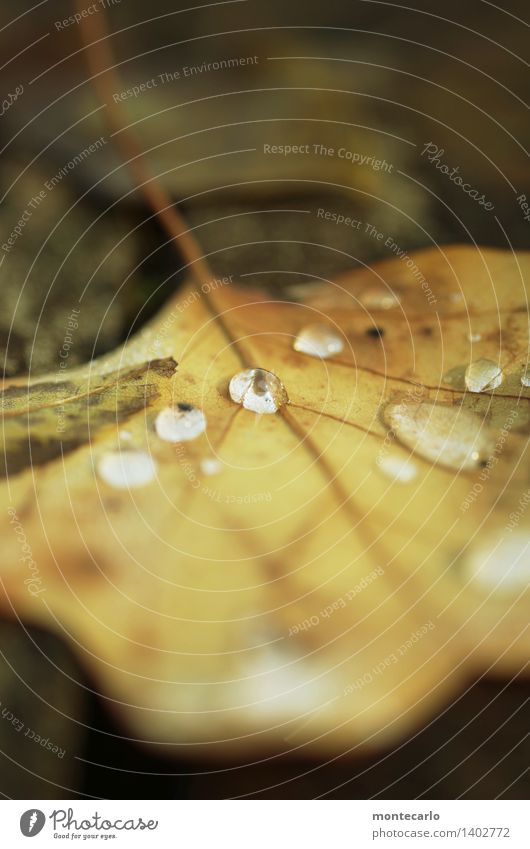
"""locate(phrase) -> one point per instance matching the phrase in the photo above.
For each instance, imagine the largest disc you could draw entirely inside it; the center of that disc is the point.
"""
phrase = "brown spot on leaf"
(55, 430)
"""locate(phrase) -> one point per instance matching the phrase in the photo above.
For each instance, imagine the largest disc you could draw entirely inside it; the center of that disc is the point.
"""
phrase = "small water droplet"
(397, 467)
(474, 337)
(451, 436)
(258, 390)
(379, 297)
(180, 423)
(525, 377)
(483, 374)
(456, 297)
(125, 435)
(318, 340)
(455, 377)
(126, 469)
(211, 466)
(502, 566)
(302, 291)
(277, 680)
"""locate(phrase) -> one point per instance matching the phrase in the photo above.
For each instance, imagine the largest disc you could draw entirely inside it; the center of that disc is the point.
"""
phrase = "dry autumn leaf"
(323, 577)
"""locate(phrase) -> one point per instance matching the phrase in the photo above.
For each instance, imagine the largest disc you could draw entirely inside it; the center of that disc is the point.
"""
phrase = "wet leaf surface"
(298, 596)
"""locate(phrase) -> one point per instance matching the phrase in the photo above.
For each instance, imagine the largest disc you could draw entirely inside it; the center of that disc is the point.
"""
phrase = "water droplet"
(258, 390)
(126, 469)
(455, 377)
(451, 436)
(302, 291)
(500, 565)
(211, 466)
(483, 374)
(125, 435)
(397, 467)
(318, 340)
(279, 681)
(474, 337)
(456, 297)
(180, 423)
(379, 297)
(525, 377)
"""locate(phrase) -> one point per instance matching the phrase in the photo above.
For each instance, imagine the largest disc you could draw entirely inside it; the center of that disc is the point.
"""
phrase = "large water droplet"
(451, 436)
(318, 340)
(397, 467)
(258, 390)
(502, 565)
(378, 297)
(525, 377)
(483, 375)
(180, 423)
(126, 469)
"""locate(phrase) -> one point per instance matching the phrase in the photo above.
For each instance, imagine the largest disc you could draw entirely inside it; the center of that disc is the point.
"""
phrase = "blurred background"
(372, 78)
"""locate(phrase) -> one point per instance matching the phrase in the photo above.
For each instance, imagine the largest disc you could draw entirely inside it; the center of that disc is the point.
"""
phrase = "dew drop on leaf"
(258, 390)
(210, 466)
(180, 423)
(318, 340)
(500, 565)
(279, 682)
(451, 436)
(483, 374)
(379, 297)
(126, 469)
(397, 467)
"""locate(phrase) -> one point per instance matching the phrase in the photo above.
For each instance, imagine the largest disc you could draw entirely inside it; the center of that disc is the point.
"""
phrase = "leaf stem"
(102, 66)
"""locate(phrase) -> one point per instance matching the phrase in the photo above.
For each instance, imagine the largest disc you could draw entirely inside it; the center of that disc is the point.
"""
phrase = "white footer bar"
(273, 824)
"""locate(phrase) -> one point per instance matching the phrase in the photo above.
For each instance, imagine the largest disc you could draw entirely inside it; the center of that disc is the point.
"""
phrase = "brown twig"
(106, 81)
(100, 60)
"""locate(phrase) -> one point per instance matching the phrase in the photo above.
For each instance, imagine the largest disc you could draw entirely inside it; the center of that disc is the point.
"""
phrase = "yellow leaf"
(309, 578)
